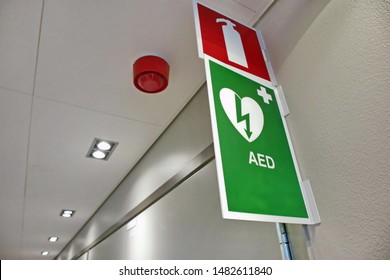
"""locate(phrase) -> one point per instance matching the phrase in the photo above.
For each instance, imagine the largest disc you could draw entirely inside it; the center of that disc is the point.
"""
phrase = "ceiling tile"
(19, 32)
(14, 126)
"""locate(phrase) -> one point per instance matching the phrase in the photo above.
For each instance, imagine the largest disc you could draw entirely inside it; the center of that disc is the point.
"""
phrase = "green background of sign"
(251, 188)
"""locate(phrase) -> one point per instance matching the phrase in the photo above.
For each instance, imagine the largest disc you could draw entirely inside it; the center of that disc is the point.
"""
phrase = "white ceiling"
(66, 78)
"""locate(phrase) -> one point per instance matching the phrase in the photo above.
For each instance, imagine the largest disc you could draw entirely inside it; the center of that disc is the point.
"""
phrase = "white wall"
(337, 85)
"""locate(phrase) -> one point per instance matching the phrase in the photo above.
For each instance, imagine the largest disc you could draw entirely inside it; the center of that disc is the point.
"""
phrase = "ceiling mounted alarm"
(150, 74)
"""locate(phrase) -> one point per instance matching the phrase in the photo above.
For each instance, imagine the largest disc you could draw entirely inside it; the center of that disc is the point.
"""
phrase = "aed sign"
(229, 41)
(256, 170)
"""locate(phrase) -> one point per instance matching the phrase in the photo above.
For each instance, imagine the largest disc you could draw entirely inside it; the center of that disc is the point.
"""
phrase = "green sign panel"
(256, 169)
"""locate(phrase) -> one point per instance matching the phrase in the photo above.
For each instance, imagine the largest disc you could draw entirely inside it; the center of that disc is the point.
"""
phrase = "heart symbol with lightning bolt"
(244, 113)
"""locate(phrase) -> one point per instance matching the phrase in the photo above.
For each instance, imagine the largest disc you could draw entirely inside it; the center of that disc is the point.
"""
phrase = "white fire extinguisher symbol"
(233, 42)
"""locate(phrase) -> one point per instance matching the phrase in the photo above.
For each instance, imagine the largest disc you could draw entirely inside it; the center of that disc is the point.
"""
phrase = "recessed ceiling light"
(101, 149)
(53, 238)
(99, 154)
(44, 253)
(67, 213)
(104, 146)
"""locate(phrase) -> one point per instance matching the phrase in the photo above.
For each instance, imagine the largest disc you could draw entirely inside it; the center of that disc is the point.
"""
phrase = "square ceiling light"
(67, 213)
(53, 238)
(101, 149)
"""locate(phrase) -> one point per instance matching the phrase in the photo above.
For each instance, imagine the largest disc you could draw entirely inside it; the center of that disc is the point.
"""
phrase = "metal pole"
(283, 241)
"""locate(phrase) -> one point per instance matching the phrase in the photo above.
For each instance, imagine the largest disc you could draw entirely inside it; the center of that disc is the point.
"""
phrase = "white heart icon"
(244, 113)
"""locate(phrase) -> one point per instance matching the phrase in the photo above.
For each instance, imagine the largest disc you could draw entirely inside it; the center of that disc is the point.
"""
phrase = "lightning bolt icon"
(241, 118)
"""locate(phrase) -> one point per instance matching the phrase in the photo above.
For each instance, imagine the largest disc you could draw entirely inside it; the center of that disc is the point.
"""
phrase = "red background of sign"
(213, 42)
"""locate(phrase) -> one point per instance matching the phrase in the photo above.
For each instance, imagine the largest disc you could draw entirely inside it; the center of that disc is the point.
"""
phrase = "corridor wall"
(337, 84)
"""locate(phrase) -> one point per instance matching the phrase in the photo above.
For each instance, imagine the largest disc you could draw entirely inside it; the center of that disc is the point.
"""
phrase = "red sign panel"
(230, 42)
